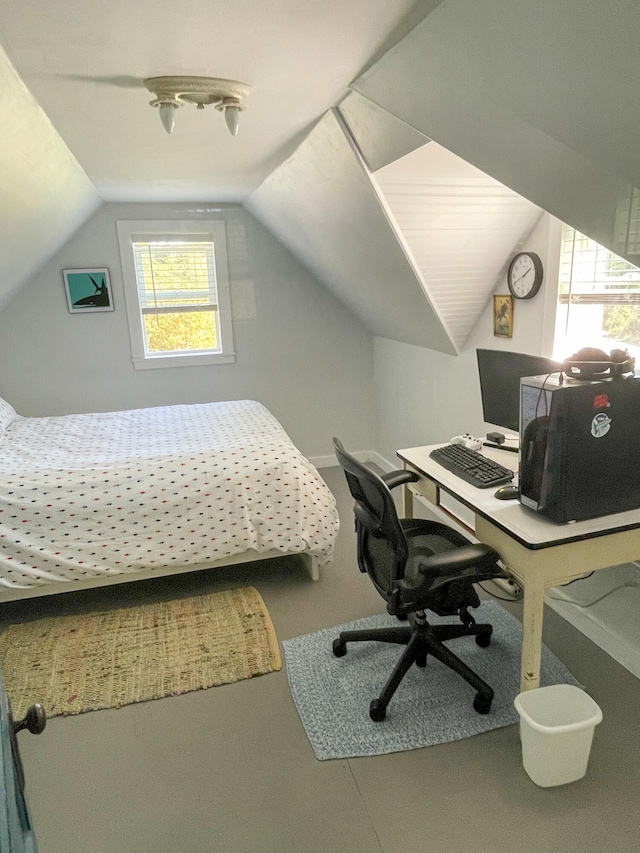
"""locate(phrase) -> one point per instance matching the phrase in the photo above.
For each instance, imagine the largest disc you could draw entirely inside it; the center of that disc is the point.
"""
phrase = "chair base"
(422, 639)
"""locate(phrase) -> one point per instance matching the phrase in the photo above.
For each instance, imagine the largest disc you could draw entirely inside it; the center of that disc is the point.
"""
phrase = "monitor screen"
(500, 373)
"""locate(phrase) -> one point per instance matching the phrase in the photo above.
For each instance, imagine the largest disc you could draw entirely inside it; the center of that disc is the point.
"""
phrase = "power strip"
(510, 586)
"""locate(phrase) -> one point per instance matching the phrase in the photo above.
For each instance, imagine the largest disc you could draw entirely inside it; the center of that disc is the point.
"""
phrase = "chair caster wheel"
(482, 704)
(377, 711)
(484, 639)
(339, 648)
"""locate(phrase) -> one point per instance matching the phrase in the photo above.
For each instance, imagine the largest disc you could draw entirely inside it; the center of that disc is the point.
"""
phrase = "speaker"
(591, 363)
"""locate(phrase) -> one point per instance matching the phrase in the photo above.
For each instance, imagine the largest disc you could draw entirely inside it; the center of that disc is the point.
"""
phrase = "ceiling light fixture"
(174, 92)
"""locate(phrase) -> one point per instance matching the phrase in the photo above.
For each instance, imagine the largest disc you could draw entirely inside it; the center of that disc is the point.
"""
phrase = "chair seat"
(424, 539)
(443, 594)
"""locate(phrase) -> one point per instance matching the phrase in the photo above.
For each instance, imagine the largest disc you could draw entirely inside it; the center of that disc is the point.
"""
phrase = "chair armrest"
(397, 478)
(455, 561)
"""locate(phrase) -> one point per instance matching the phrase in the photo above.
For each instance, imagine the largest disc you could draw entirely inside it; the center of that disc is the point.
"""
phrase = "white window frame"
(593, 286)
(131, 231)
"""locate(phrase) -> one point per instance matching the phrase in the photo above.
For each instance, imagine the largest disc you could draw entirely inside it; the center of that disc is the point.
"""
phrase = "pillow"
(7, 415)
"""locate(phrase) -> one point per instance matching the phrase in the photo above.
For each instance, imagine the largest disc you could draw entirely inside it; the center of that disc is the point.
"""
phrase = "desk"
(537, 552)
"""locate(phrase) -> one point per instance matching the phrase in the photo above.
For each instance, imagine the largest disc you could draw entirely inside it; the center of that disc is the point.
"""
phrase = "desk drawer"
(459, 511)
(423, 487)
(435, 496)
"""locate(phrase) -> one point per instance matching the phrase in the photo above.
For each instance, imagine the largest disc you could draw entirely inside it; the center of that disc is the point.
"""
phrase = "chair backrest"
(382, 546)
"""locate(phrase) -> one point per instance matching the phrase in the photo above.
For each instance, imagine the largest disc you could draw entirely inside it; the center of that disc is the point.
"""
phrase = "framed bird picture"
(88, 290)
(503, 316)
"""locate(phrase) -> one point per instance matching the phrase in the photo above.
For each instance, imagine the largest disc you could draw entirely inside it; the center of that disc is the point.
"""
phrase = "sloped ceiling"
(381, 137)
(461, 227)
(73, 71)
(416, 248)
(85, 62)
(45, 193)
(543, 97)
(323, 206)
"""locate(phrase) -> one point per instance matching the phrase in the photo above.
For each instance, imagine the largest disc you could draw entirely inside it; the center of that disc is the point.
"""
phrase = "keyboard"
(471, 466)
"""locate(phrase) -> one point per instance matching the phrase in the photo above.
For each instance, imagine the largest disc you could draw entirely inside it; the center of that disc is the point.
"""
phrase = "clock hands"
(515, 281)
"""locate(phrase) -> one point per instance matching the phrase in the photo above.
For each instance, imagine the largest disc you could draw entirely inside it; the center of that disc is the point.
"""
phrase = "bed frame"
(19, 593)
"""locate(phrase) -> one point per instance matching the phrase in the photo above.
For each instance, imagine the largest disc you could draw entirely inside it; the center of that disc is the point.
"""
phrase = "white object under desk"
(537, 552)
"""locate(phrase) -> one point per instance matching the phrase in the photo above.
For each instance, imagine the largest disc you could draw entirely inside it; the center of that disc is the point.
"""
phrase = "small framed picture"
(88, 290)
(503, 316)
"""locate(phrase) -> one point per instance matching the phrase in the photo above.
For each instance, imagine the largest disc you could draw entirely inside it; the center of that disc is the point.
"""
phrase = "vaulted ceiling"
(550, 116)
(84, 62)
(460, 227)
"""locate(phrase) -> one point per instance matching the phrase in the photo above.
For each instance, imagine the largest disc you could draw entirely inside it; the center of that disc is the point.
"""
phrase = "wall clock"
(525, 275)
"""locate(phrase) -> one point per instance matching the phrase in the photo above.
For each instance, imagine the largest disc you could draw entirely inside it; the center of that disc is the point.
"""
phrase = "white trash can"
(556, 731)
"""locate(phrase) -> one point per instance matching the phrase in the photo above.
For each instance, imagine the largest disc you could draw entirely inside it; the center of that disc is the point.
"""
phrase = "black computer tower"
(579, 446)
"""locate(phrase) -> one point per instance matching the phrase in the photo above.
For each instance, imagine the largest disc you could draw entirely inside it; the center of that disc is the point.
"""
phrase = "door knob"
(35, 720)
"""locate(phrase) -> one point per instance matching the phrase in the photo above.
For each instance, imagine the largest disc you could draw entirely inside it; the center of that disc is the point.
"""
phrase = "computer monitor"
(500, 372)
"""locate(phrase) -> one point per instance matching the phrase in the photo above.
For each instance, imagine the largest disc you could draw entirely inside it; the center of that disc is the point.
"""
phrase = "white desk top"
(530, 528)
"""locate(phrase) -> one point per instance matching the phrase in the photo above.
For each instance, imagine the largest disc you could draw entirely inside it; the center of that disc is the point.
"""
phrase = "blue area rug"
(432, 705)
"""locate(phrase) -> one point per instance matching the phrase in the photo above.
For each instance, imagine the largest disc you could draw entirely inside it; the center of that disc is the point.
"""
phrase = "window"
(177, 292)
(598, 299)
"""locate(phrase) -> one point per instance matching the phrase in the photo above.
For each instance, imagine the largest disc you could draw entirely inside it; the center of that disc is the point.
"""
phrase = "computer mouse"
(507, 493)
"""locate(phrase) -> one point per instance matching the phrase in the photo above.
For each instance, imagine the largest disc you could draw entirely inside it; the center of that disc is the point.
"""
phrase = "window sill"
(183, 360)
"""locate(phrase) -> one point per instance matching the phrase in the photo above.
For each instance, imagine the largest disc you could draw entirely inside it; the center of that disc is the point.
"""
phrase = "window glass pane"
(180, 331)
(622, 323)
(175, 273)
(598, 299)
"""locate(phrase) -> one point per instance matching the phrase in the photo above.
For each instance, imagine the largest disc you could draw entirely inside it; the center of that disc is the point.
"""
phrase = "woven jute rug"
(73, 664)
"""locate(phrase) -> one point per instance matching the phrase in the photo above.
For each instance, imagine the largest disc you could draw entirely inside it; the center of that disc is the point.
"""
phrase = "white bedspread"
(92, 495)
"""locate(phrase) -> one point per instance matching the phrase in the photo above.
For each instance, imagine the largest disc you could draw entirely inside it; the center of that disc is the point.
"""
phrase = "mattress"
(102, 494)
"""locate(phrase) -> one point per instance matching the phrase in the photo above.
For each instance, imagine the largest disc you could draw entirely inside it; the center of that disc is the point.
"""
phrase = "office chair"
(415, 565)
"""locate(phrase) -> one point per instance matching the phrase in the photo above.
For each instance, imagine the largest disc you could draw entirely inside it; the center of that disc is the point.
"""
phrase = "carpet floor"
(432, 705)
(111, 658)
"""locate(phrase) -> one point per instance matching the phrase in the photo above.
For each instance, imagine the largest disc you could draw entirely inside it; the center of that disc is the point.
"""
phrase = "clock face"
(525, 275)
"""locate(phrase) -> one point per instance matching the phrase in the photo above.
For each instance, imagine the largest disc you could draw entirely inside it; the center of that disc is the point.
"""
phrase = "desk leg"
(532, 631)
(407, 502)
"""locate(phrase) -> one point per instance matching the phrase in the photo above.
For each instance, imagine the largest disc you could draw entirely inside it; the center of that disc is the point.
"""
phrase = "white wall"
(424, 397)
(44, 195)
(299, 351)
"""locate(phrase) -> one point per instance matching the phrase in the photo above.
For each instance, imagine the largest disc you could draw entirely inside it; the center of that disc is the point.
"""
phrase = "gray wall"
(299, 351)
(424, 397)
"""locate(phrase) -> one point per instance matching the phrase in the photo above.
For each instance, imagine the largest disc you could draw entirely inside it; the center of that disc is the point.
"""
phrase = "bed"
(93, 499)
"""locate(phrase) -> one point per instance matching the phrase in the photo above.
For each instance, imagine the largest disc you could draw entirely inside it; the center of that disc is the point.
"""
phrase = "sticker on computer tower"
(600, 425)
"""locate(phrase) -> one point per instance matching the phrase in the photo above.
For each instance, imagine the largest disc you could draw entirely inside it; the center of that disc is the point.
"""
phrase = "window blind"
(591, 274)
(175, 275)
